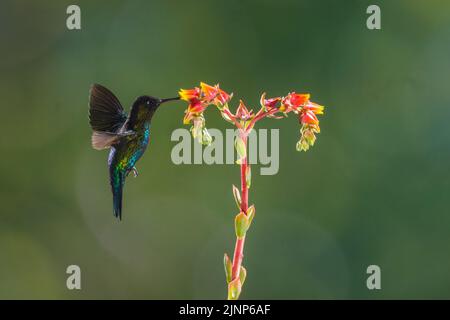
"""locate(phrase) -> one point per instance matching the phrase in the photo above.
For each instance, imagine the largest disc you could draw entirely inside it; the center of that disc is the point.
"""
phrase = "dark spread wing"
(106, 114)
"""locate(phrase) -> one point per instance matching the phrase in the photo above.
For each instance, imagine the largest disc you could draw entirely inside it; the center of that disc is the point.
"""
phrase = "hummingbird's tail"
(117, 178)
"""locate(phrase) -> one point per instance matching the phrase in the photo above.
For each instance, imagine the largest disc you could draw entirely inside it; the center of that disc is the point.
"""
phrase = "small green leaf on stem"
(242, 275)
(241, 148)
(234, 289)
(237, 196)
(227, 264)
(250, 214)
(241, 225)
(248, 177)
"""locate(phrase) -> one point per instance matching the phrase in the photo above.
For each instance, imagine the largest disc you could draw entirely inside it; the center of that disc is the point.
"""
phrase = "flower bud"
(197, 128)
(302, 145)
(206, 137)
(309, 136)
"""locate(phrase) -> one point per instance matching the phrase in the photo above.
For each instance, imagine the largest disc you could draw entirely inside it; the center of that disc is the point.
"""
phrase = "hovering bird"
(126, 135)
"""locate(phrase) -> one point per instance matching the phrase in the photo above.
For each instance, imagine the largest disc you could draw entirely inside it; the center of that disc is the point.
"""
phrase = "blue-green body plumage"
(122, 159)
(127, 135)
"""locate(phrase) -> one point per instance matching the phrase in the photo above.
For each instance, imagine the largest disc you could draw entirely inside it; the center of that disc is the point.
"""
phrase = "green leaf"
(248, 177)
(227, 265)
(242, 275)
(234, 289)
(241, 225)
(241, 148)
(250, 215)
(237, 196)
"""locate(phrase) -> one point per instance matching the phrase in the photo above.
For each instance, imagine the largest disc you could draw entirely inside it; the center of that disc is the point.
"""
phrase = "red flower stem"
(239, 247)
(261, 115)
(232, 117)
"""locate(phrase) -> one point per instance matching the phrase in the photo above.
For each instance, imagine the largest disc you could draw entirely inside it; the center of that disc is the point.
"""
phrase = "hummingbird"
(127, 136)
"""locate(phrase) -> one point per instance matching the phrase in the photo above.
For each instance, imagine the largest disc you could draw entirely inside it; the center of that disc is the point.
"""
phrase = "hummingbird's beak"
(168, 99)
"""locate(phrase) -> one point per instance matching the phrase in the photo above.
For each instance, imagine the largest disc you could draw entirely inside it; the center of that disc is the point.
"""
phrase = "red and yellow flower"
(214, 95)
(189, 94)
(195, 107)
(307, 114)
(310, 125)
(201, 97)
(295, 100)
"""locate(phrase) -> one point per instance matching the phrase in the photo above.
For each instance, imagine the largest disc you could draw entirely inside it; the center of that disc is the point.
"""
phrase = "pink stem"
(232, 117)
(239, 247)
(261, 115)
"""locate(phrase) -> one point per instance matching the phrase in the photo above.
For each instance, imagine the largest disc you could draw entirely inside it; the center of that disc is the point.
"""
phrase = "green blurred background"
(374, 189)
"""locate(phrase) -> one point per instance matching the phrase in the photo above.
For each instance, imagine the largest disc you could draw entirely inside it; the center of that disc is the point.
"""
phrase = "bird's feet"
(135, 172)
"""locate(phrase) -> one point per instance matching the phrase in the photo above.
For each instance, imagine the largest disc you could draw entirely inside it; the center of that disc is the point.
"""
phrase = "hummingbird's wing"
(105, 111)
(106, 117)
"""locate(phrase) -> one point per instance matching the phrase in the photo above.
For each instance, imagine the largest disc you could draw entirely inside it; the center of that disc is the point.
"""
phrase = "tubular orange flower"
(295, 100)
(308, 117)
(310, 125)
(209, 92)
(222, 97)
(214, 95)
(314, 107)
(199, 99)
(189, 94)
(195, 108)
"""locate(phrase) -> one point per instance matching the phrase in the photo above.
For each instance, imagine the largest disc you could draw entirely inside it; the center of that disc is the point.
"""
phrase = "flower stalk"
(199, 98)
(239, 247)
